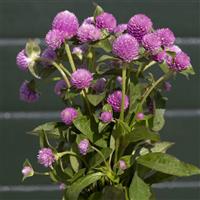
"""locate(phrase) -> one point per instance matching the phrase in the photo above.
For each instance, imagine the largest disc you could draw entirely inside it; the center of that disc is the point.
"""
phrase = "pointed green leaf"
(158, 120)
(106, 57)
(96, 99)
(98, 10)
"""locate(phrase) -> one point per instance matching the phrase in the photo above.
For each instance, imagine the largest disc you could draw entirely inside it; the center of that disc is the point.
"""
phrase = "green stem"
(69, 55)
(65, 70)
(149, 65)
(83, 92)
(123, 91)
(41, 173)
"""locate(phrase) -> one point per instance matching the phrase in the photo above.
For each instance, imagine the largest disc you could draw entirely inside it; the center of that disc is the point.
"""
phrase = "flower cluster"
(108, 127)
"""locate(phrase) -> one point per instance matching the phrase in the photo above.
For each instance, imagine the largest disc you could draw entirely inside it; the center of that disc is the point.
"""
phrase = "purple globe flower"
(115, 100)
(173, 48)
(68, 115)
(139, 25)
(79, 49)
(27, 93)
(120, 28)
(122, 165)
(160, 56)
(89, 20)
(126, 47)
(166, 36)
(49, 54)
(59, 86)
(100, 85)
(66, 22)
(167, 86)
(54, 39)
(46, 157)
(139, 116)
(83, 146)
(106, 21)
(27, 171)
(88, 33)
(151, 42)
(81, 79)
(23, 61)
(106, 117)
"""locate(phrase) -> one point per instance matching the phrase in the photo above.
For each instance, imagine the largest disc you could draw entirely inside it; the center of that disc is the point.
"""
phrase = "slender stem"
(41, 173)
(69, 55)
(65, 70)
(123, 91)
(83, 92)
(149, 65)
(62, 73)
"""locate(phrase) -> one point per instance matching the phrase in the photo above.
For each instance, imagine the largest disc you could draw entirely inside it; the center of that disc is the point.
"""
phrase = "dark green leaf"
(167, 164)
(96, 99)
(113, 193)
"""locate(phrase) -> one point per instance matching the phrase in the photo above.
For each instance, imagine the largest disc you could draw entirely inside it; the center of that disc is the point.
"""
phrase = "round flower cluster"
(59, 86)
(23, 61)
(100, 85)
(68, 115)
(121, 28)
(48, 54)
(115, 100)
(83, 146)
(106, 117)
(46, 157)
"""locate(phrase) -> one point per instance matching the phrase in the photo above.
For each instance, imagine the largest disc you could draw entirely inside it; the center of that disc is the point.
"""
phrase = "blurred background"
(22, 19)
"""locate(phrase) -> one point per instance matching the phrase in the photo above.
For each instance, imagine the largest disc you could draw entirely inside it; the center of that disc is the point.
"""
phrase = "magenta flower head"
(139, 116)
(66, 22)
(139, 25)
(106, 117)
(54, 39)
(100, 85)
(81, 79)
(83, 146)
(115, 100)
(106, 21)
(28, 94)
(160, 56)
(167, 86)
(89, 20)
(59, 86)
(27, 171)
(119, 29)
(126, 47)
(174, 48)
(68, 115)
(88, 33)
(151, 42)
(46, 157)
(49, 54)
(23, 61)
(166, 36)
(122, 165)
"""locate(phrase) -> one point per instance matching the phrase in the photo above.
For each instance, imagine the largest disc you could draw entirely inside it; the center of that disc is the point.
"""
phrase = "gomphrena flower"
(59, 86)
(62, 186)
(173, 48)
(54, 39)
(88, 33)
(100, 85)
(68, 115)
(180, 62)
(22, 60)
(46, 157)
(115, 100)
(106, 21)
(122, 165)
(126, 47)
(27, 171)
(166, 36)
(160, 56)
(81, 78)
(106, 117)
(80, 49)
(139, 25)
(48, 54)
(120, 28)
(89, 20)
(139, 116)
(27, 93)
(83, 146)
(151, 42)
(167, 86)
(66, 22)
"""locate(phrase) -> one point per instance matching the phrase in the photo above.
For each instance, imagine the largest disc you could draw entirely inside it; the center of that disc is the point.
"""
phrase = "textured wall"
(21, 19)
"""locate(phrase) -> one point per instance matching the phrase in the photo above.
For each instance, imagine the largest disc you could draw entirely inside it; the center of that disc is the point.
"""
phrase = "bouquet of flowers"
(111, 79)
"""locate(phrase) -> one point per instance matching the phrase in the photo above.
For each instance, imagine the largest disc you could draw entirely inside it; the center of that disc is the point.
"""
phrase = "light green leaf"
(158, 120)
(32, 49)
(164, 67)
(96, 99)
(106, 57)
(188, 71)
(74, 160)
(75, 189)
(167, 164)
(104, 44)
(98, 10)
(138, 189)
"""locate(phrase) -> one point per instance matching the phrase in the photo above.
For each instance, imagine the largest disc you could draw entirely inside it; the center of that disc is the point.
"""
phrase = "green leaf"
(167, 164)
(104, 44)
(96, 99)
(188, 71)
(164, 67)
(84, 126)
(32, 49)
(95, 196)
(158, 120)
(75, 189)
(33, 69)
(97, 158)
(138, 189)
(74, 160)
(107, 108)
(98, 10)
(106, 57)
(113, 193)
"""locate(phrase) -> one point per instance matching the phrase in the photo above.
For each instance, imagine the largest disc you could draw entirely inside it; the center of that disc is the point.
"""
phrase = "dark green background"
(32, 18)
